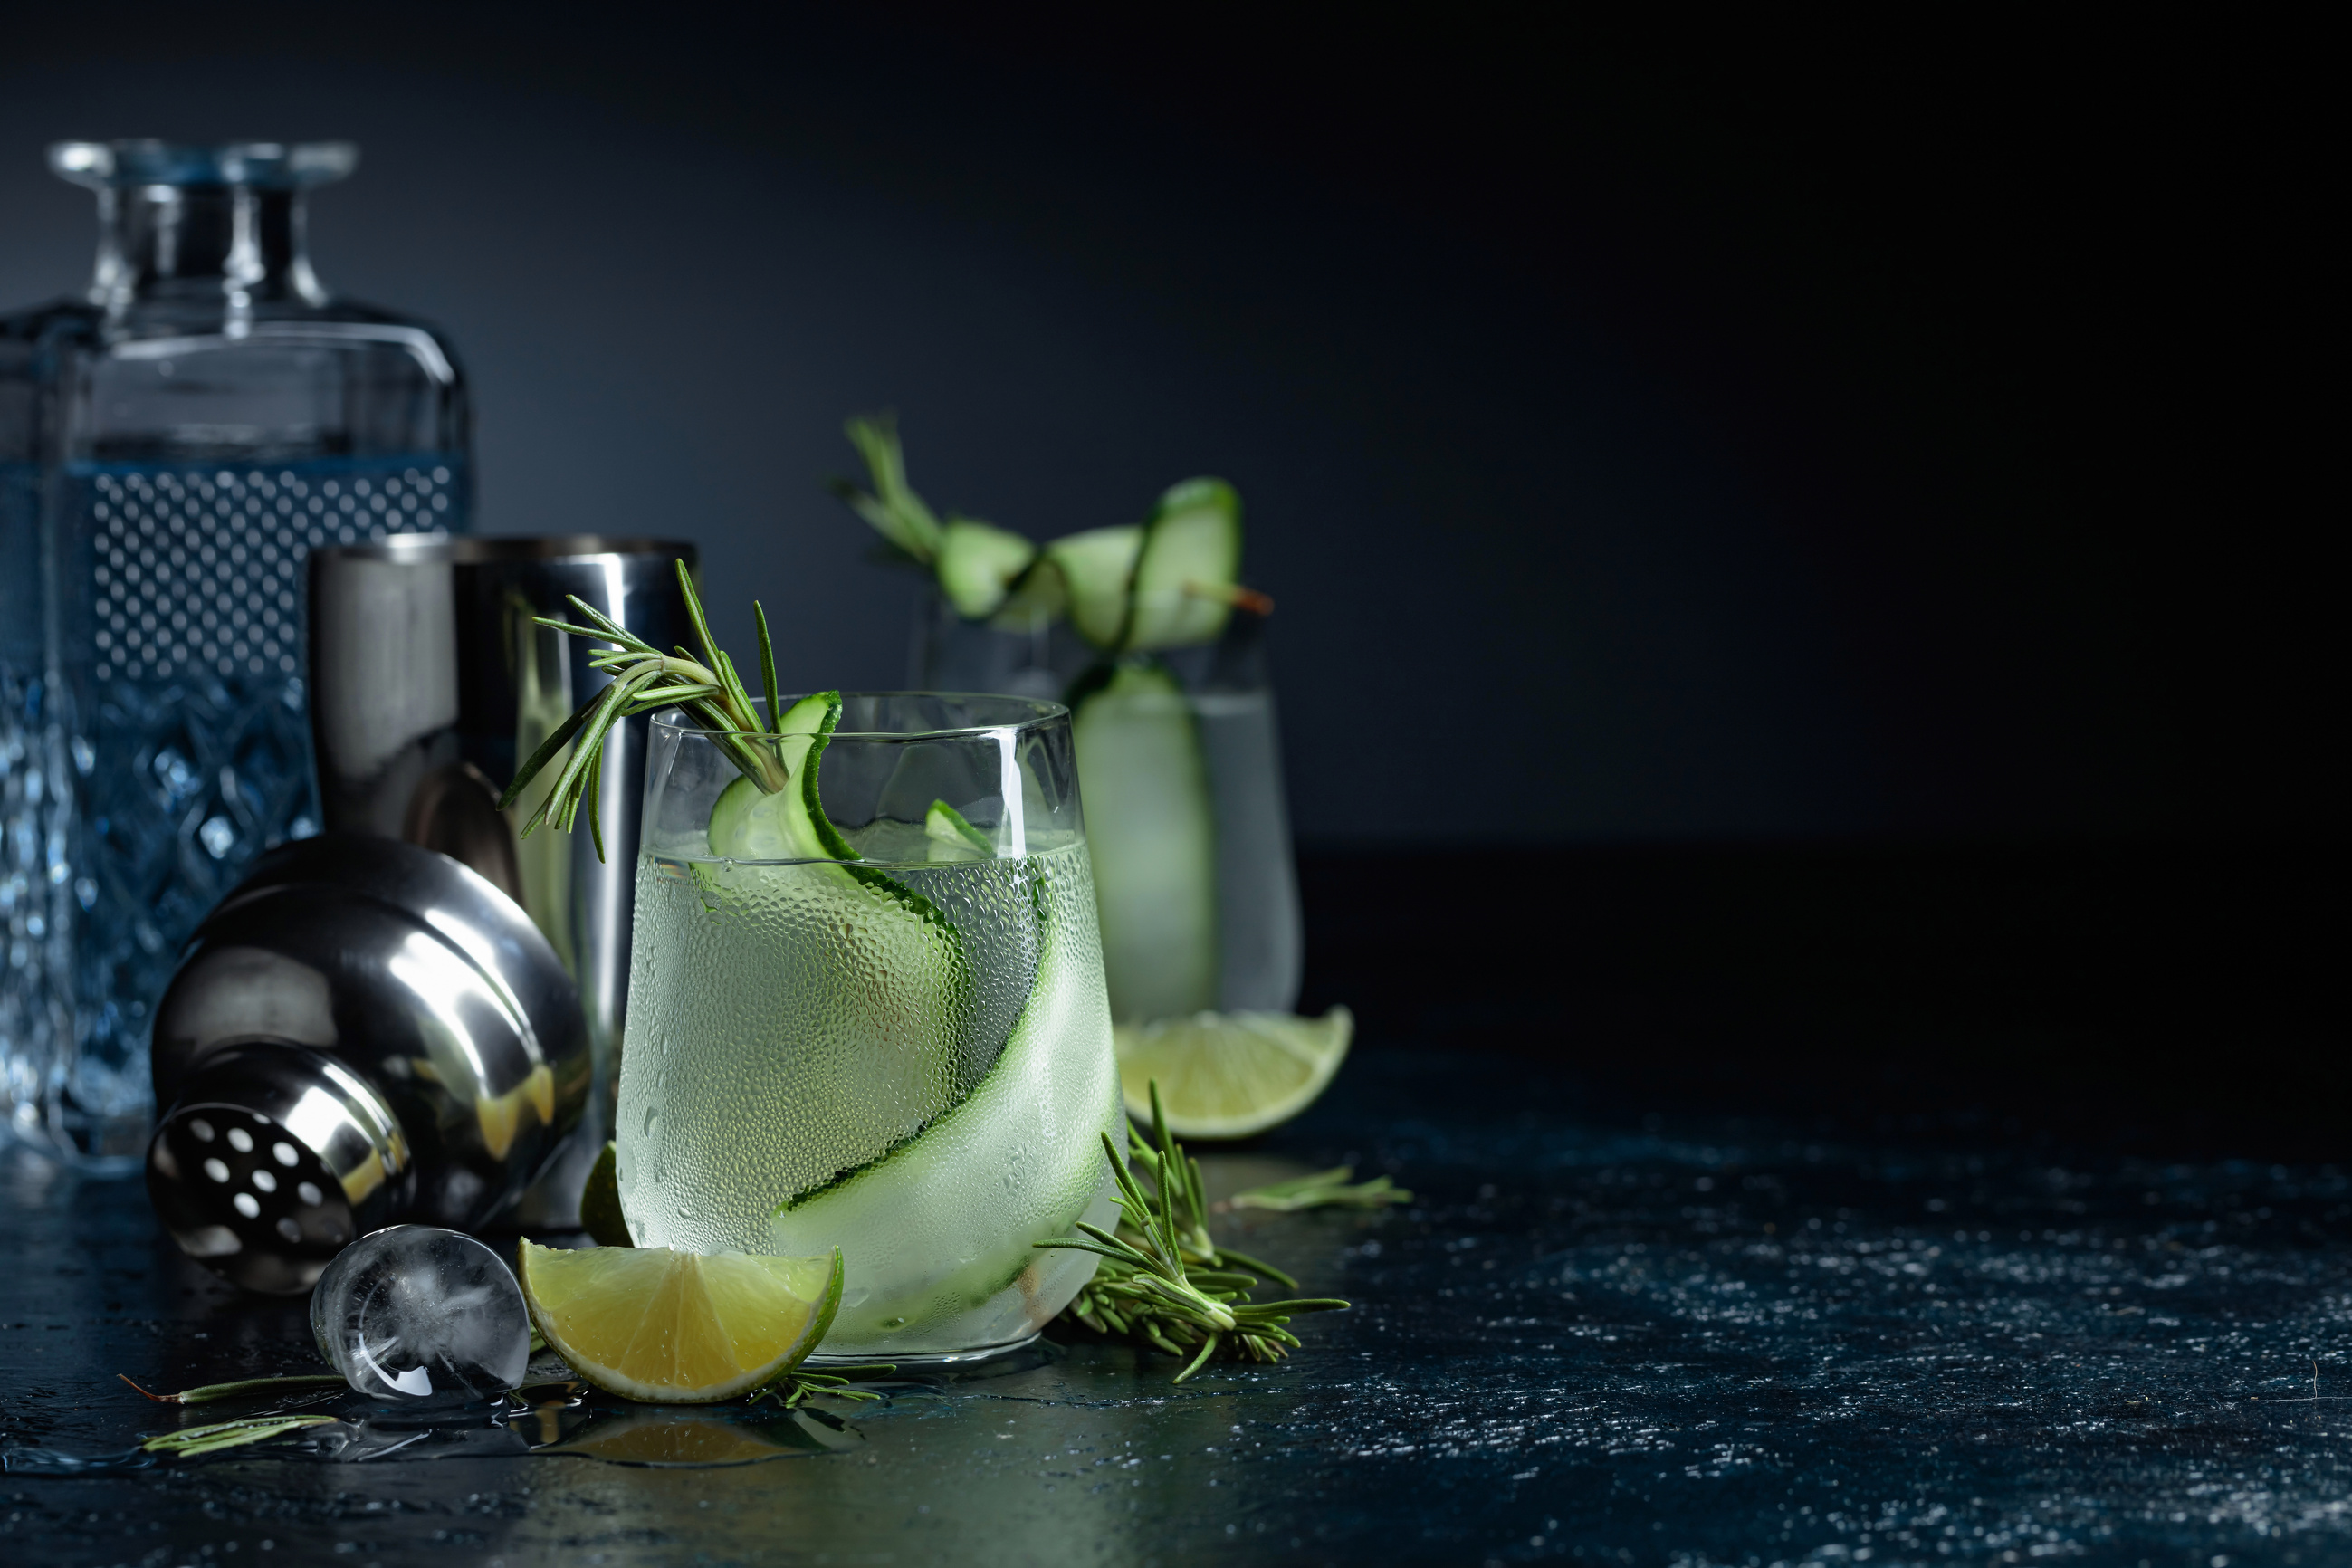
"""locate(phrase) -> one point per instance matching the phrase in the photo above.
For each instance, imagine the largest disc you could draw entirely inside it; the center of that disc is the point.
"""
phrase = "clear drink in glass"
(1181, 760)
(907, 1056)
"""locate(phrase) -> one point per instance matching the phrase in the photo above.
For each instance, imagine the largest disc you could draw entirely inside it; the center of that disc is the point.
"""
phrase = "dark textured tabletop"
(1594, 1336)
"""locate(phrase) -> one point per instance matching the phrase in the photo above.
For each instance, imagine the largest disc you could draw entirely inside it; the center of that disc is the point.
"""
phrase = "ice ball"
(414, 1313)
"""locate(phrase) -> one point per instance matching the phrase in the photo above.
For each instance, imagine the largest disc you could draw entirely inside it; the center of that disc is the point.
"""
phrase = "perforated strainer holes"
(252, 1183)
(202, 569)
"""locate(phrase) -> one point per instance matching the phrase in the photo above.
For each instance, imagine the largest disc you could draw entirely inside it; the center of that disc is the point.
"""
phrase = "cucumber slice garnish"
(1040, 595)
(1097, 567)
(978, 564)
(905, 1222)
(1185, 570)
(749, 824)
(953, 837)
(1151, 834)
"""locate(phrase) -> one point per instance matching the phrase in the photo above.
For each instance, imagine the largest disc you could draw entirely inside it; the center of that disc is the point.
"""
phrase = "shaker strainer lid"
(275, 1158)
(362, 1031)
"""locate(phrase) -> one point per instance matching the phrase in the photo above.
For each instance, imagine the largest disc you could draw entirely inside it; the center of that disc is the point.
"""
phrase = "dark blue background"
(1759, 430)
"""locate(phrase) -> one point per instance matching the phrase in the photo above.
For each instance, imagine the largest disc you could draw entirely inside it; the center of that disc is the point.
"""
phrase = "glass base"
(993, 1357)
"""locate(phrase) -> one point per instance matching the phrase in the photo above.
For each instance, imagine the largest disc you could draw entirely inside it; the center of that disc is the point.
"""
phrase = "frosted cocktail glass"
(908, 1055)
(1182, 770)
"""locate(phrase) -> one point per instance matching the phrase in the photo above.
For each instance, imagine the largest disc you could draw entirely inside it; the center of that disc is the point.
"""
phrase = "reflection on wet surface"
(1588, 1339)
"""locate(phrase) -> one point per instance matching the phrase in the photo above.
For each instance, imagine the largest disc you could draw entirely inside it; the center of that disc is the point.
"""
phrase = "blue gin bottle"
(173, 445)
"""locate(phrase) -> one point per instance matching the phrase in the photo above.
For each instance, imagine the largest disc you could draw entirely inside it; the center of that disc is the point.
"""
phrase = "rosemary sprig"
(194, 1441)
(645, 678)
(793, 1390)
(1163, 1278)
(281, 1383)
(1324, 1189)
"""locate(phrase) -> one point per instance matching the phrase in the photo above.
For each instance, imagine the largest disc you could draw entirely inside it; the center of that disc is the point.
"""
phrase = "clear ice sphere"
(414, 1313)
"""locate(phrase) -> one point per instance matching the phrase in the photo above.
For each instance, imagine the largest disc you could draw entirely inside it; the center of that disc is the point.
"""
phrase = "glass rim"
(1043, 713)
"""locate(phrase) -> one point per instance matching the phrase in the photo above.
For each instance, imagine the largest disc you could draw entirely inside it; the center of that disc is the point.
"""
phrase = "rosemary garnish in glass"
(645, 678)
(1165, 1281)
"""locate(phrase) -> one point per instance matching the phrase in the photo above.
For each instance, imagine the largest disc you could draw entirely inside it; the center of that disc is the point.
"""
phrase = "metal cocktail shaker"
(429, 685)
(363, 1031)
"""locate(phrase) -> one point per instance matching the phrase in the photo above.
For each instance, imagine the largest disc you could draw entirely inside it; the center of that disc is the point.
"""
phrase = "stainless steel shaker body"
(363, 1031)
(429, 686)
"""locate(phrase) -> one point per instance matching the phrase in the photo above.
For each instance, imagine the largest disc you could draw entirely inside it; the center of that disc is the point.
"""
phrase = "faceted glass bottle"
(184, 436)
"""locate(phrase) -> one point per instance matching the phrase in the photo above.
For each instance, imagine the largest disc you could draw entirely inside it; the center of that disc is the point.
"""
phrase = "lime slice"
(978, 564)
(1229, 1075)
(1184, 572)
(1095, 568)
(666, 1327)
(1151, 831)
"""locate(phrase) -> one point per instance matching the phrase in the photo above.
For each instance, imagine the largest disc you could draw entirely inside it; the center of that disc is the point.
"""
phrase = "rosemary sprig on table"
(1330, 1189)
(645, 678)
(1163, 1278)
(273, 1385)
(190, 1441)
(794, 1389)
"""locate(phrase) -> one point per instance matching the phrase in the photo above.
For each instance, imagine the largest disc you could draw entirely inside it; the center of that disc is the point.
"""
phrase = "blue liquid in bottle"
(205, 421)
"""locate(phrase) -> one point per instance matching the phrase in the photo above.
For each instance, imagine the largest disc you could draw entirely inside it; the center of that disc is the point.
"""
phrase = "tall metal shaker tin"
(430, 685)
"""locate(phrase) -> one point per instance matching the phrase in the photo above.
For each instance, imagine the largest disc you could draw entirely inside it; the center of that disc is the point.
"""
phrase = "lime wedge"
(666, 1327)
(1152, 833)
(1185, 571)
(1229, 1075)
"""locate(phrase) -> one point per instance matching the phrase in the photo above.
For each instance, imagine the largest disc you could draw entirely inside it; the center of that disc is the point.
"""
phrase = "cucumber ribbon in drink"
(891, 1038)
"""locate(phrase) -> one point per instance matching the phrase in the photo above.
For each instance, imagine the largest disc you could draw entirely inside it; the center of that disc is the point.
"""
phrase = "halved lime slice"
(648, 1323)
(1229, 1075)
(1185, 571)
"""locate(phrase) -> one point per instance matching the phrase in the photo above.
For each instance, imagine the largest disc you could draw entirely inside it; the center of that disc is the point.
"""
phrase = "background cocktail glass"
(1181, 764)
(909, 1055)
